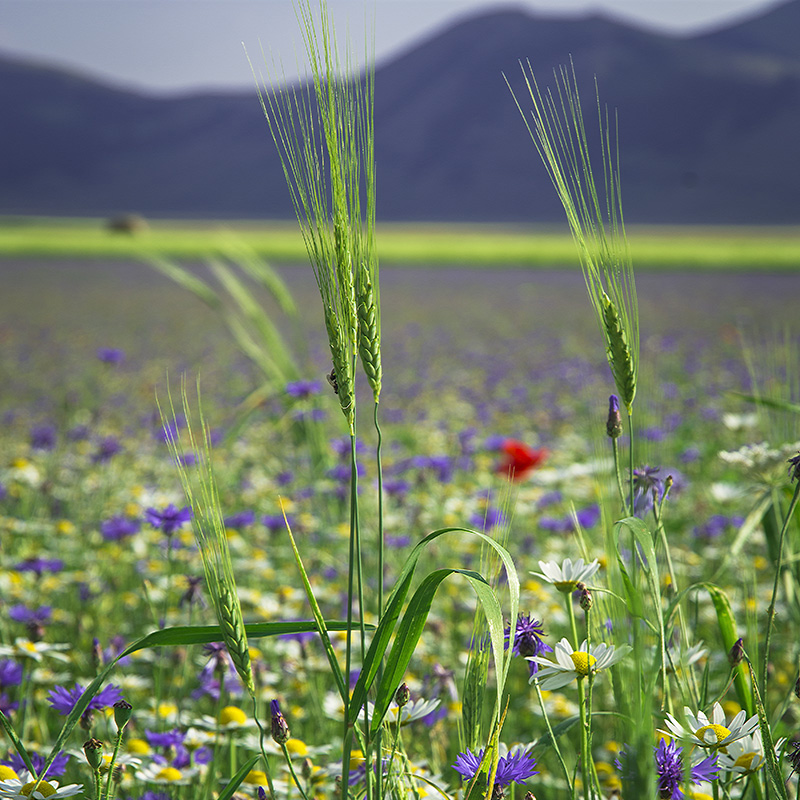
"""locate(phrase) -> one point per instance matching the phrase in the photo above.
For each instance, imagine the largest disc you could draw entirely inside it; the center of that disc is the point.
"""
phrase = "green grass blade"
(15, 740)
(236, 781)
(394, 604)
(413, 623)
(187, 280)
(773, 768)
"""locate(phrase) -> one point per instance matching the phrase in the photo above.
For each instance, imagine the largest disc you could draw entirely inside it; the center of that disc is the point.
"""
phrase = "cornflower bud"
(93, 750)
(585, 599)
(280, 728)
(614, 421)
(402, 695)
(794, 468)
(122, 713)
(737, 653)
(797, 688)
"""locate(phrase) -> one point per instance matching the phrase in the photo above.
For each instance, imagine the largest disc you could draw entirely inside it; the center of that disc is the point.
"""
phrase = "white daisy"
(573, 664)
(746, 755)
(154, 772)
(567, 576)
(22, 789)
(25, 648)
(413, 710)
(712, 732)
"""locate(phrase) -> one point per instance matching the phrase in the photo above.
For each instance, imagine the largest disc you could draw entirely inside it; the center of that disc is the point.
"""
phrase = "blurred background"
(118, 106)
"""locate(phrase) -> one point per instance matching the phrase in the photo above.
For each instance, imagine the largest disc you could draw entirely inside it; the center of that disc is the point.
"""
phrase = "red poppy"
(519, 459)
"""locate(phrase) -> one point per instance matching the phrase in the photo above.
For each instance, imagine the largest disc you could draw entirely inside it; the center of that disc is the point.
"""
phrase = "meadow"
(472, 359)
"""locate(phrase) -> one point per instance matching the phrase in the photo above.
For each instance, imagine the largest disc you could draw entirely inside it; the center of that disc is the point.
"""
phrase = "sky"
(165, 46)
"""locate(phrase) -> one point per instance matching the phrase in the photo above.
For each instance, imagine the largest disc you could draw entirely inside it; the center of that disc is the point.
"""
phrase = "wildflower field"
(330, 531)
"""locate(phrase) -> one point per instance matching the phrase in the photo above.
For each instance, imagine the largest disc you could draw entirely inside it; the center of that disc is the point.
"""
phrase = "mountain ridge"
(707, 129)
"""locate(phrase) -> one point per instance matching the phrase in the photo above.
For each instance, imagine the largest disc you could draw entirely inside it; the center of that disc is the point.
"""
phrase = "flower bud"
(122, 713)
(402, 695)
(737, 653)
(614, 421)
(93, 750)
(585, 599)
(280, 728)
(797, 688)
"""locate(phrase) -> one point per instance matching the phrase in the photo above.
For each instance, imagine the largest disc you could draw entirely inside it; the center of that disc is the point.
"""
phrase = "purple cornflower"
(511, 768)
(794, 468)
(107, 448)
(118, 528)
(10, 673)
(241, 519)
(110, 355)
(40, 565)
(490, 518)
(302, 389)
(528, 640)
(669, 766)
(670, 769)
(275, 522)
(168, 519)
(172, 738)
(30, 616)
(645, 481)
(64, 700)
(43, 437)
(57, 768)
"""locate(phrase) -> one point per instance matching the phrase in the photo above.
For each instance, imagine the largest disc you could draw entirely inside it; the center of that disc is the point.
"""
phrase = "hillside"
(708, 130)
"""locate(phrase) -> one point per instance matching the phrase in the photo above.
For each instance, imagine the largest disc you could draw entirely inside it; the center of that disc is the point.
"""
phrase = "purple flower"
(57, 768)
(168, 519)
(588, 517)
(118, 528)
(10, 673)
(107, 448)
(64, 700)
(110, 355)
(30, 616)
(645, 481)
(275, 522)
(302, 389)
(491, 518)
(171, 738)
(43, 437)
(528, 640)
(241, 519)
(669, 766)
(511, 768)
(40, 565)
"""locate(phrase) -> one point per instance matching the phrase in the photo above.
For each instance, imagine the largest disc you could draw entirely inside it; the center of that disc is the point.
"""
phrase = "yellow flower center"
(256, 777)
(565, 586)
(583, 662)
(169, 774)
(6, 773)
(232, 715)
(138, 746)
(27, 646)
(297, 747)
(720, 732)
(44, 789)
(745, 761)
(356, 759)
(167, 710)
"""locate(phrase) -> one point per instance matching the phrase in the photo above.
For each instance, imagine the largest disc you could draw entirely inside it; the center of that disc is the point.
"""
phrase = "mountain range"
(709, 129)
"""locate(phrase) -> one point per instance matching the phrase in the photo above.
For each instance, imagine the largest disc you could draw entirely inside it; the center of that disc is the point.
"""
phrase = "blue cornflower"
(117, 528)
(40, 565)
(57, 768)
(43, 437)
(171, 738)
(168, 519)
(670, 769)
(64, 700)
(528, 641)
(30, 616)
(241, 519)
(302, 389)
(491, 517)
(107, 448)
(110, 355)
(645, 481)
(514, 767)
(10, 673)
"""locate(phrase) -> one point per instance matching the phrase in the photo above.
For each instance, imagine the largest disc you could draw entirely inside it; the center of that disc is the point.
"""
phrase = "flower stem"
(778, 570)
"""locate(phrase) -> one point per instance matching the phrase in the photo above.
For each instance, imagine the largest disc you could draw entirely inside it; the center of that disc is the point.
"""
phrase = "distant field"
(773, 248)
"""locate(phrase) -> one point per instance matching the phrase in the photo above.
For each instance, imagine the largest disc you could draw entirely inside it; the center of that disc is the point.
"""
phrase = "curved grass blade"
(773, 769)
(236, 781)
(15, 740)
(394, 604)
(411, 627)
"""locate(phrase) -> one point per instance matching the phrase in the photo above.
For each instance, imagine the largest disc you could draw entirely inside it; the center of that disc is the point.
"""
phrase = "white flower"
(568, 575)
(25, 648)
(746, 755)
(679, 658)
(571, 664)
(165, 774)
(712, 732)
(22, 789)
(413, 710)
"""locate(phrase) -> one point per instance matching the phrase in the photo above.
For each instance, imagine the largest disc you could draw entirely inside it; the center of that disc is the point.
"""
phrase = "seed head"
(93, 749)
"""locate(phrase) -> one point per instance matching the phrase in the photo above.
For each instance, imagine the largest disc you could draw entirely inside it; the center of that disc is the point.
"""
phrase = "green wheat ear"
(594, 215)
(200, 488)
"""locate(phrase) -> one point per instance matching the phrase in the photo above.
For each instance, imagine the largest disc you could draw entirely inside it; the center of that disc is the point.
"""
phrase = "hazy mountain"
(708, 129)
